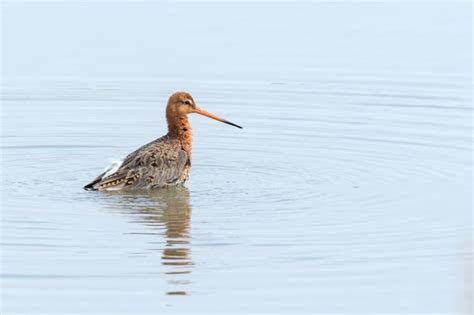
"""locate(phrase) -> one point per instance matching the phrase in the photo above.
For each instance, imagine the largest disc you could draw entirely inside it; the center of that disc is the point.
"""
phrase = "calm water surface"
(349, 190)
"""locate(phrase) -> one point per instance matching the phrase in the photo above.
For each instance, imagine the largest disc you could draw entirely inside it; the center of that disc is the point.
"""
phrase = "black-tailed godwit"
(165, 161)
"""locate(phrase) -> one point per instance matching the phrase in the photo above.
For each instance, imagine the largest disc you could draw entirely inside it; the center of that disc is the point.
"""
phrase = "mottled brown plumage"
(163, 162)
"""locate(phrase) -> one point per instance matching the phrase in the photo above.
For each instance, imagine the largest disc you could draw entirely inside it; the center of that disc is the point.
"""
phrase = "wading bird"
(165, 161)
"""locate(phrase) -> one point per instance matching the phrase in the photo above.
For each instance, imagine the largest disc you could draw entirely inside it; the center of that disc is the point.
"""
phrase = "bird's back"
(162, 162)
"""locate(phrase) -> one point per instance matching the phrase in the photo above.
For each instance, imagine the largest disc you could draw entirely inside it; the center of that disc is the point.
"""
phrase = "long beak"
(201, 111)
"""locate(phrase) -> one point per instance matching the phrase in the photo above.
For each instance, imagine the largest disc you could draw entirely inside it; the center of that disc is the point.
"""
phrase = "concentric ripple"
(324, 170)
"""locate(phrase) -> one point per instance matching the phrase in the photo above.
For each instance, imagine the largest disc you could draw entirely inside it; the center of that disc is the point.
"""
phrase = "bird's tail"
(107, 172)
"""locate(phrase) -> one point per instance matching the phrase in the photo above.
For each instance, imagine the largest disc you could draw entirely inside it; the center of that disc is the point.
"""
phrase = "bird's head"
(182, 103)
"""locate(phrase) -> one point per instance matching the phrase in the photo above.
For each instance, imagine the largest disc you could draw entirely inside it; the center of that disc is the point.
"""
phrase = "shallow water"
(348, 190)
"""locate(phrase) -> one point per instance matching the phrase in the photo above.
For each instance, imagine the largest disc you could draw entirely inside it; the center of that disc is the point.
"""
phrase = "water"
(348, 190)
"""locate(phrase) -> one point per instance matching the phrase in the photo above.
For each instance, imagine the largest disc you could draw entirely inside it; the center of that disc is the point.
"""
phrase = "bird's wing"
(156, 164)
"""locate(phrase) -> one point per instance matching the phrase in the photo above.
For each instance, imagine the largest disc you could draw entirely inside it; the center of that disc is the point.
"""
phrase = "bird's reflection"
(168, 211)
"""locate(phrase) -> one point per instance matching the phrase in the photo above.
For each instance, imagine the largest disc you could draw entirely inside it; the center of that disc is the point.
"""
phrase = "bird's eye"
(187, 102)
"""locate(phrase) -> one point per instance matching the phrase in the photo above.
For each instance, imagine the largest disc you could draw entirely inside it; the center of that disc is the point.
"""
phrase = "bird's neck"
(179, 127)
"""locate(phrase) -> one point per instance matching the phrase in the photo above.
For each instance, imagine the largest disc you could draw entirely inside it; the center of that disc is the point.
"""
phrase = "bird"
(163, 162)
